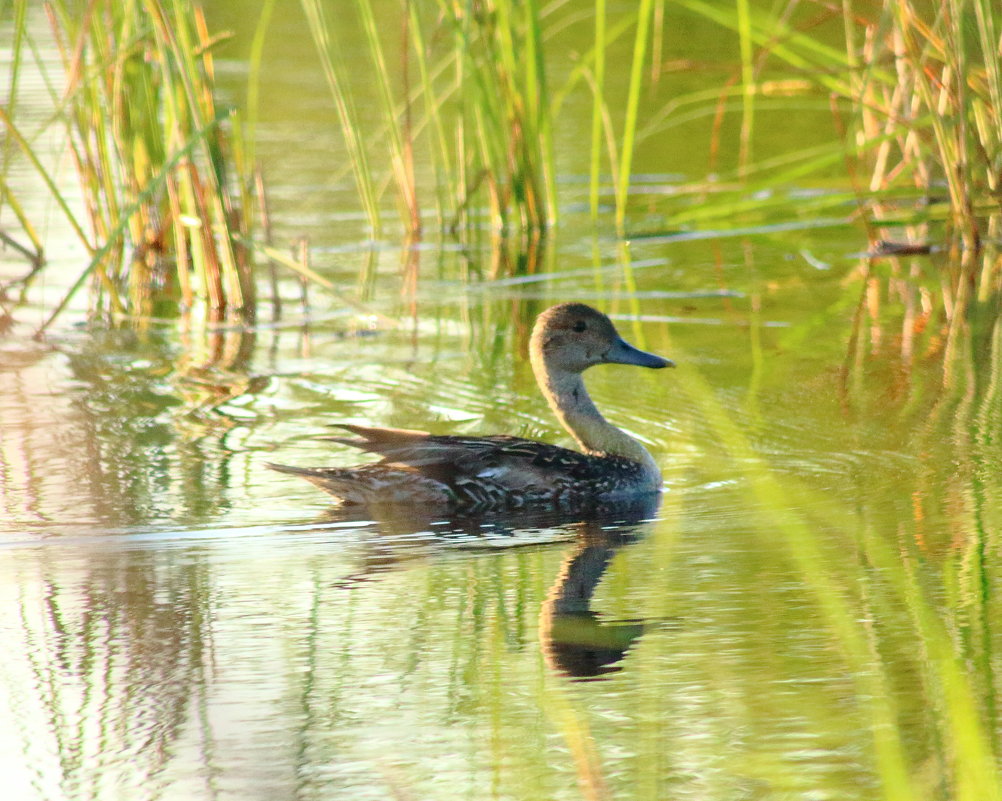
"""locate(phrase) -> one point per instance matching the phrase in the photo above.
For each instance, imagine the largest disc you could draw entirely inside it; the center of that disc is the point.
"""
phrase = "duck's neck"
(569, 399)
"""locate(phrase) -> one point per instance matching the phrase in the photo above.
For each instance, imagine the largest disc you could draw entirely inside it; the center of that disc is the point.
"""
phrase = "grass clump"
(927, 88)
(480, 82)
(916, 91)
(470, 97)
(165, 188)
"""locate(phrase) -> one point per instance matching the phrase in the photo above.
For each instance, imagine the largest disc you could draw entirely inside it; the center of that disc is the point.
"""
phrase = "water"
(182, 623)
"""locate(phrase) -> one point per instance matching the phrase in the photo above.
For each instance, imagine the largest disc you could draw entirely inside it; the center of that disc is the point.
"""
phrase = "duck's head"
(572, 337)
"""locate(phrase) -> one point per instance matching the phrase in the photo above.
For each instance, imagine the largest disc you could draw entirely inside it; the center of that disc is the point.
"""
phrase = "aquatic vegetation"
(916, 92)
(463, 103)
(487, 113)
(812, 611)
(166, 192)
(927, 93)
(475, 97)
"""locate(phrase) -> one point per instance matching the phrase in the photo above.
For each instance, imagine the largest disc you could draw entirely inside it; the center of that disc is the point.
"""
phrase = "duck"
(480, 473)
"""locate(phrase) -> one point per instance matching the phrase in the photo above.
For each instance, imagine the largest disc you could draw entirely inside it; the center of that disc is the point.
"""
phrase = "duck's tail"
(338, 481)
(370, 484)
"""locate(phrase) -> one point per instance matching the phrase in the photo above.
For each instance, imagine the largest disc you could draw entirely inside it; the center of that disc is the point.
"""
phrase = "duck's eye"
(580, 326)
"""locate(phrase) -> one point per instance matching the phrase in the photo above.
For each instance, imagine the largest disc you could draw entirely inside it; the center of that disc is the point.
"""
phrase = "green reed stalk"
(500, 155)
(13, 141)
(923, 79)
(439, 152)
(14, 135)
(36, 256)
(401, 153)
(514, 75)
(190, 48)
(504, 125)
(538, 104)
(254, 75)
(336, 73)
(479, 147)
(598, 72)
(17, 46)
(115, 236)
(988, 112)
(809, 57)
(747, 82)
(644, 14)
(947, 136)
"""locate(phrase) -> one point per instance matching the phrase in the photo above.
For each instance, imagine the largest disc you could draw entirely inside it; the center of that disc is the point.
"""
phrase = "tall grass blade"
(400, 150)
(114, 238)
(644, 14)
(336, 73)
(598, 88)
(137, 103)
(15, 135)
(747, 82)
(254, 62)
(17, 45)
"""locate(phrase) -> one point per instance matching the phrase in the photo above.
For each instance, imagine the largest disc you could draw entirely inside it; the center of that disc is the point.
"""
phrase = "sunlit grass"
(484, 107)
(468, 100)
(858, 589)
(917, 91)
(165, 185)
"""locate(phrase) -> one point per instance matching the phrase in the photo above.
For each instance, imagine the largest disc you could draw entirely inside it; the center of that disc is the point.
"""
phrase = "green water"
(807, 614)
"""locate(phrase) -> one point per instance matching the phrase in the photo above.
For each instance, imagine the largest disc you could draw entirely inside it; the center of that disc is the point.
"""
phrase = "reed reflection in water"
(160, 668)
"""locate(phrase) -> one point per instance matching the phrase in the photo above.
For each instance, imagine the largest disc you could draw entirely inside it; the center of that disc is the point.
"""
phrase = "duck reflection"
(576, 641)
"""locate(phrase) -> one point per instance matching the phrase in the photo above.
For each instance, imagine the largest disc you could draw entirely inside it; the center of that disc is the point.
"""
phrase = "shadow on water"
(576, 641)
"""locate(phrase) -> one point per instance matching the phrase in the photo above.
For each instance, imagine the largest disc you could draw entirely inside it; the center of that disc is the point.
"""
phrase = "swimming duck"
(497, 472)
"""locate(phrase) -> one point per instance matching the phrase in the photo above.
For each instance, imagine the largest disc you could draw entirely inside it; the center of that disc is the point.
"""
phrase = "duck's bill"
(622, 352)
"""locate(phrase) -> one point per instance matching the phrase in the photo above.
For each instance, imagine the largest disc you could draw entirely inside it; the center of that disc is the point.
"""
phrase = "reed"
(33, 251)
(165, 184)
(937, 121)
(337, 76)
(482, 108)
(504, 128)
(917, 93)
(645, 12)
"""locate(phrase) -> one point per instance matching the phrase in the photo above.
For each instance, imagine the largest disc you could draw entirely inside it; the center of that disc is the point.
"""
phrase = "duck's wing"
(470, 473)
(419, 449)
(415, 449)
(473, 466)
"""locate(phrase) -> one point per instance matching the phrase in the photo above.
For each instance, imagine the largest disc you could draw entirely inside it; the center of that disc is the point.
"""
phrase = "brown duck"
(497, 472)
